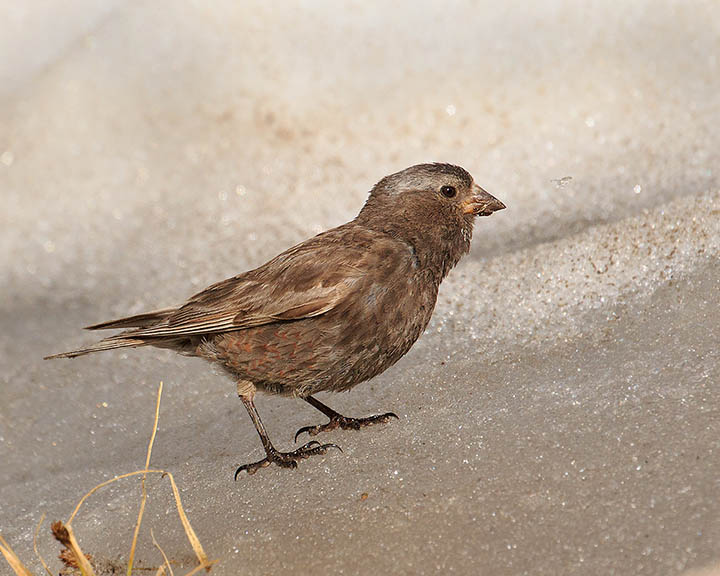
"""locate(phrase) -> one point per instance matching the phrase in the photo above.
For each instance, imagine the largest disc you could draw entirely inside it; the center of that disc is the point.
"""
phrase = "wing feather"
(300, 283)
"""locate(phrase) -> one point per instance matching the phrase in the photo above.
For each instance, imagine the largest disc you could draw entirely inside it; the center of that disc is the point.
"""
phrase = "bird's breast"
(382, 321)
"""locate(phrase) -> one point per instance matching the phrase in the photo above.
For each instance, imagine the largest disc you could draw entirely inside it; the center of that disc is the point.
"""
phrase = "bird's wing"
(303, 282)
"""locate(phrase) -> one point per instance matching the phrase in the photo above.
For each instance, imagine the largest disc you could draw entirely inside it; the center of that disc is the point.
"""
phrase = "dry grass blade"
(131, 559)
(64, 534)
(144, 489)
(189, 532)
(12, 559)
(103, 484)
(200, 567)
(167, 562)
(35, 546)
(192, 537)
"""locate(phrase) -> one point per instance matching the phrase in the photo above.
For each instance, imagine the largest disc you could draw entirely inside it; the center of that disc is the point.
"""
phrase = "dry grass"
(167, 562)
(144, 490)
(64, 534)
(12, 559)
(74, 556)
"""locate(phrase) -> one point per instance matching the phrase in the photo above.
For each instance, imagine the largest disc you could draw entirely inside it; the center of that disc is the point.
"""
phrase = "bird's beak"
(481, 203)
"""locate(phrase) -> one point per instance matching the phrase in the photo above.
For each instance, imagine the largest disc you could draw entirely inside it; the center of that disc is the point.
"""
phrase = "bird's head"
(431, 206)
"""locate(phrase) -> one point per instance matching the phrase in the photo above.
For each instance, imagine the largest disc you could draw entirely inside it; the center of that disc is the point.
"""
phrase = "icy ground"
(561, 414)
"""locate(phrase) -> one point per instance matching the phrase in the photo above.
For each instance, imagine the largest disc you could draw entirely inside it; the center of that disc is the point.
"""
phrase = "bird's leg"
(246, 391)
(340, 421)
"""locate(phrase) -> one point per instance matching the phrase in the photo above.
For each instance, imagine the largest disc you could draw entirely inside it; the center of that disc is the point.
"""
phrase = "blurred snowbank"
(559, 415)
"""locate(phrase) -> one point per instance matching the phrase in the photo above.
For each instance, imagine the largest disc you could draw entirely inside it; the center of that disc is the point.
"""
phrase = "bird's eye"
(448, 191)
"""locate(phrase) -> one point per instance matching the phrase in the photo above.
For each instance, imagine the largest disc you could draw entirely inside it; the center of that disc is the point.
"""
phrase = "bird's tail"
(119, 341)
(125, 339)
(140, 321)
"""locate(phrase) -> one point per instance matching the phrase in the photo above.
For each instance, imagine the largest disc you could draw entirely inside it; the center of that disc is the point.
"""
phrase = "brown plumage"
(332, 311)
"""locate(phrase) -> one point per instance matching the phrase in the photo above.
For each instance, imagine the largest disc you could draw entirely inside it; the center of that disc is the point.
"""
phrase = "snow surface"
(560, 415)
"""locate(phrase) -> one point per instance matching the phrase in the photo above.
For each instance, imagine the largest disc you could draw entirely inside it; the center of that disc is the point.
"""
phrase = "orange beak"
(481, 203)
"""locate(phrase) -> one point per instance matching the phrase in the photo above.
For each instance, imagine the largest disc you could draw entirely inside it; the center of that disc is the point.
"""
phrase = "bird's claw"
(287, 459)
(346, 424)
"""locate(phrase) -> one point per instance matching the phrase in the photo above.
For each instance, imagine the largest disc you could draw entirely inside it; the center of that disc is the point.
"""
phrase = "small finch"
(331, 312)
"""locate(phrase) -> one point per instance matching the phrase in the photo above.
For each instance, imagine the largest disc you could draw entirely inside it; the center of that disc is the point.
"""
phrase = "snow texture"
(559, 416)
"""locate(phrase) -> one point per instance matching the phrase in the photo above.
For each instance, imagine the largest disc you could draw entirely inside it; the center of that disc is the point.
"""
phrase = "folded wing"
(305, 281)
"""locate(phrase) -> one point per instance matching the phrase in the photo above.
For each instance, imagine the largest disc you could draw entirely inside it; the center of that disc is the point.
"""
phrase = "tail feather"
(139, 321)
(134, 336)
(110, 343)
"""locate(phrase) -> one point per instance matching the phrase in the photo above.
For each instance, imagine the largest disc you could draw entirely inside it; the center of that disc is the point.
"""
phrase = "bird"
(330, 312)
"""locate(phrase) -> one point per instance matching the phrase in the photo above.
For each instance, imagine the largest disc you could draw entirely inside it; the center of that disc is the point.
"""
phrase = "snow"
(559, 414)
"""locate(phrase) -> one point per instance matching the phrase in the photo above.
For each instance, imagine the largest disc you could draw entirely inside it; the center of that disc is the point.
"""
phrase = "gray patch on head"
(418, 175)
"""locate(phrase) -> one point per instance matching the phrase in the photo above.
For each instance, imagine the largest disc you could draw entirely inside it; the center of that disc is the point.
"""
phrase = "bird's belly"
(334, 351)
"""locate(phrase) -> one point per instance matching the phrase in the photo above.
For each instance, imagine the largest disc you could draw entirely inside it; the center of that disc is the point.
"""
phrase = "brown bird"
(331, 312)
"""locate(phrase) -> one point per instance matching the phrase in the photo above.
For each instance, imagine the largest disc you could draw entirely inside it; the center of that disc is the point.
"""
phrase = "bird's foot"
(346, 423)
(287, 459)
